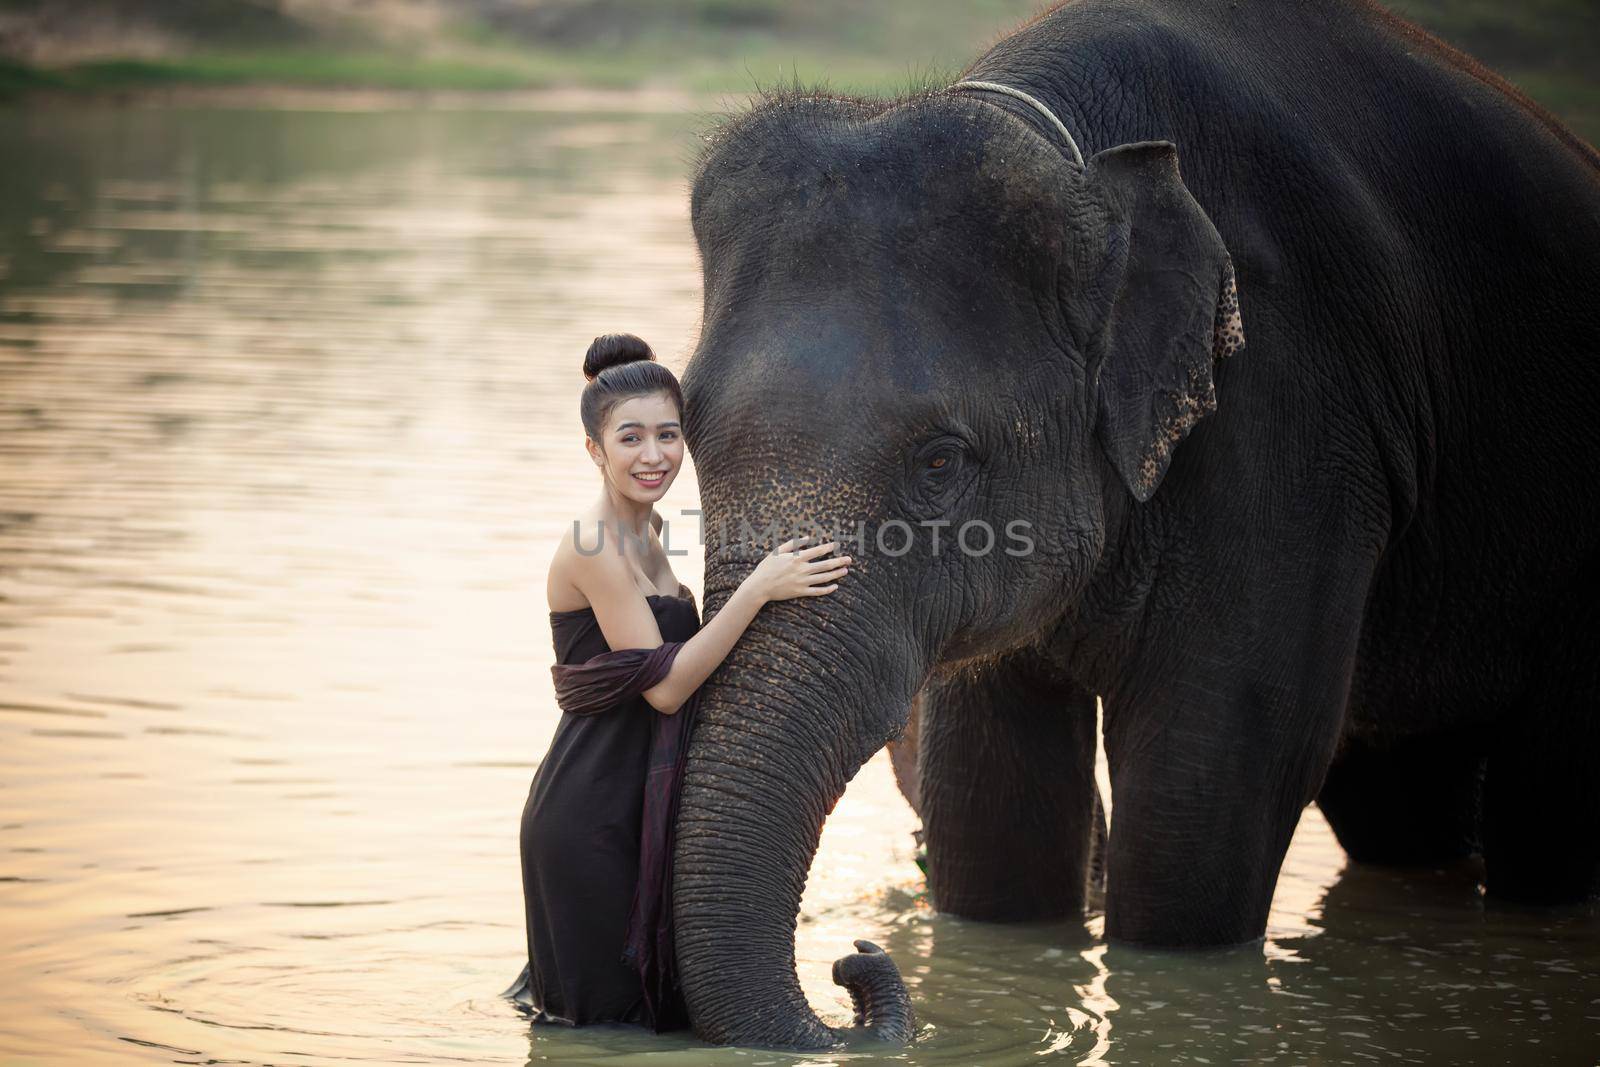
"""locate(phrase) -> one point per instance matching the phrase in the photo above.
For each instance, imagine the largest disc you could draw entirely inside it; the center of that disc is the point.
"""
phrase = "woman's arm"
(789, 572)
(702, 653)
(626, 621)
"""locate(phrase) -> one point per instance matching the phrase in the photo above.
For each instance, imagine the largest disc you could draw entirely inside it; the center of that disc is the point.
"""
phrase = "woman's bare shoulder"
(574, 553)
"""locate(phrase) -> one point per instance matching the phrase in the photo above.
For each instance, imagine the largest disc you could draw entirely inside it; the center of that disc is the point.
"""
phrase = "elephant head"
(929, 333)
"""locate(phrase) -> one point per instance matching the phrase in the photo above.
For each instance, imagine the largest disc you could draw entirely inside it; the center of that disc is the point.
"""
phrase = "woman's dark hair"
(620, 366)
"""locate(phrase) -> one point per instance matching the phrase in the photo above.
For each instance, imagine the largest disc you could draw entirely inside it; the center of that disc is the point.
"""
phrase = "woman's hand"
(792, 571)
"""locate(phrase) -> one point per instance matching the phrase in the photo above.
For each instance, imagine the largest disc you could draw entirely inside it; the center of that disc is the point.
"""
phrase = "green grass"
(635, 66)
(314, 68)
(699, 45)
(1574, 100)
(1548, 47)
(297, 68)
(17, 78)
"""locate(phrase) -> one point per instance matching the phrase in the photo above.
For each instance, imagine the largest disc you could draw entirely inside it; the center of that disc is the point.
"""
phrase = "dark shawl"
(600, 684)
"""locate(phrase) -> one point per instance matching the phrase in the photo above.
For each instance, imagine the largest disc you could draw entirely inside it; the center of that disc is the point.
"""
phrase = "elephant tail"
(878, 992)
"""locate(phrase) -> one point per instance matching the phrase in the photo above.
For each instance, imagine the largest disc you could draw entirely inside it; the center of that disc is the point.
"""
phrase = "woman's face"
(641, 437)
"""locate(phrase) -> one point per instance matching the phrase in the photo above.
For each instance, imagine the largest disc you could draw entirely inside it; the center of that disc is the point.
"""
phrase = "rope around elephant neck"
(1033, 102)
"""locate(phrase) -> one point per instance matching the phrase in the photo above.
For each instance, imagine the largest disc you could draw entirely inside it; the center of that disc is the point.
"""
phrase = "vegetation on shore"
(1550, 48)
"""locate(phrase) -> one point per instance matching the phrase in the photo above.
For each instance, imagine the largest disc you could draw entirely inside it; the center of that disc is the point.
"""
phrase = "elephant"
(1281, 457)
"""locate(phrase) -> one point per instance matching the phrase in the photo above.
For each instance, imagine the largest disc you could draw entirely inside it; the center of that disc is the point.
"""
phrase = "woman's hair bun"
(611, 349)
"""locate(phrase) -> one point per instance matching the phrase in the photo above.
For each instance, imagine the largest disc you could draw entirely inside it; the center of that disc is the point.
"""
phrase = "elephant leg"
(1541, 804)
(1218, 739)
(1199, 831)
(1413, 802)
(1541, 807)
(1203, 813)
(1007, 787)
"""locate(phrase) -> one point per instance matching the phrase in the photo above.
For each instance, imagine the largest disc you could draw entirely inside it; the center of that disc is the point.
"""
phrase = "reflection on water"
(288, 403)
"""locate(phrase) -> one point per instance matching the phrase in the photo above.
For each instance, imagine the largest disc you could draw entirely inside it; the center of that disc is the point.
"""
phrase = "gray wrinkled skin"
(1297, 427)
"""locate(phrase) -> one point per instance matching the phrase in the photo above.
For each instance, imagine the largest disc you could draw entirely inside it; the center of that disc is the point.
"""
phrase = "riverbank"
(563, 99)
(695, 46)
(337, 54)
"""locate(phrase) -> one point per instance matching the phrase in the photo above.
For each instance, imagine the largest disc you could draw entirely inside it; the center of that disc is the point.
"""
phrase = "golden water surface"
(288, 430)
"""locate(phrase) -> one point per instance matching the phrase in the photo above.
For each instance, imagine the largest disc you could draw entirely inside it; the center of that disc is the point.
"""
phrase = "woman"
(596, 829)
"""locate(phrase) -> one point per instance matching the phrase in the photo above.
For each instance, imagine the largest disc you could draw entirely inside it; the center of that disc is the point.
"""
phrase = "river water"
(288, 431)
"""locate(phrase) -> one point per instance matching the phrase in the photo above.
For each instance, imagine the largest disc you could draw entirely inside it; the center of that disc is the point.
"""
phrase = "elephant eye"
(943, 454)
(941, 462)
(941, 475)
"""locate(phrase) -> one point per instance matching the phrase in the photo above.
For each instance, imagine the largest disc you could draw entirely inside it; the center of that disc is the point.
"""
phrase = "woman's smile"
(586, 888)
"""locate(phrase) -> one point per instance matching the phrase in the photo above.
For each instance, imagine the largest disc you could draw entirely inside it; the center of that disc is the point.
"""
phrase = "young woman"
(630, 655)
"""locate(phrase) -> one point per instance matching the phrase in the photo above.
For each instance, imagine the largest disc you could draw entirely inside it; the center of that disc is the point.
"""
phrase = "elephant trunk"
(776, 742)
(879, 994)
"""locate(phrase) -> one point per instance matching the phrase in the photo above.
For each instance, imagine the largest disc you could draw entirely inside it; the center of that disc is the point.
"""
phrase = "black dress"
(580, 845)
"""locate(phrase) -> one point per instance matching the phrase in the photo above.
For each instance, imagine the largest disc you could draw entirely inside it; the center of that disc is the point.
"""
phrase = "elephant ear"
(1171, 310)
